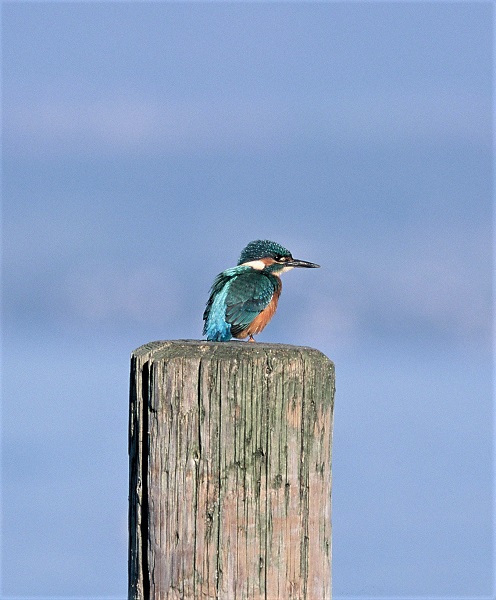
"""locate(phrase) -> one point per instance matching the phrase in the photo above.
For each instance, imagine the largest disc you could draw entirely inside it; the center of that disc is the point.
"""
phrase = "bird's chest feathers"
(261, 320)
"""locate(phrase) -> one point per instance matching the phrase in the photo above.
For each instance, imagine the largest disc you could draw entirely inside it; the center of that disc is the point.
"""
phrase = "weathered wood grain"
(230, 472)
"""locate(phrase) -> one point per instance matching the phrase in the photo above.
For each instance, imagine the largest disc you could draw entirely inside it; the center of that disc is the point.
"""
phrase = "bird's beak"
(301, 263)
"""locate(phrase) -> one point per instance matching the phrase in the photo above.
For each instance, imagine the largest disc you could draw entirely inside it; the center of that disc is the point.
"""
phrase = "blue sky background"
(144, 144)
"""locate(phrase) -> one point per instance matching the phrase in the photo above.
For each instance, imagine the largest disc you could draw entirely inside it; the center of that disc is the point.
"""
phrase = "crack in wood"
(238, 504)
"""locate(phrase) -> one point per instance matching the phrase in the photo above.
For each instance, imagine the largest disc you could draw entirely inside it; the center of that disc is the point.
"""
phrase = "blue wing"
(237, 296)
(248, 295)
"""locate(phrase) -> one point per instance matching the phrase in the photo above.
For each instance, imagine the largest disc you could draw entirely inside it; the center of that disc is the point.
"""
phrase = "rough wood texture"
(230, 472)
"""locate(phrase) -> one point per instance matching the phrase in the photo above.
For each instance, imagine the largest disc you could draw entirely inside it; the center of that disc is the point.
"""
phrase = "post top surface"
(201, 348)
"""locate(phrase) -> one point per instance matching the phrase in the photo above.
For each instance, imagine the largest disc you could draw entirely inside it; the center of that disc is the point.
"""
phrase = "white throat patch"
(255, 264)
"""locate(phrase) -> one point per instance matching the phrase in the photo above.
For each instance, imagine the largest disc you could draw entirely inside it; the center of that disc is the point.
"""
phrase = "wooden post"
(230, 472)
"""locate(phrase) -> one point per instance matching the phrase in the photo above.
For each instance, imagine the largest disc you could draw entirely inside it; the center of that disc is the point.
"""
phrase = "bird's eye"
(277, 258)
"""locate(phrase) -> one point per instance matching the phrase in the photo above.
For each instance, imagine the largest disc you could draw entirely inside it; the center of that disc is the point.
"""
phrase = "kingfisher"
(243, 299)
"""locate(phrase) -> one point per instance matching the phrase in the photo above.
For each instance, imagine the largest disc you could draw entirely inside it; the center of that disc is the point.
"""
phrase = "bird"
(243, 299)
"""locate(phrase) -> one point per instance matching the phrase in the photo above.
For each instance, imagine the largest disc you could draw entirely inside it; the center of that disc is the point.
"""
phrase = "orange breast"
(261, 320)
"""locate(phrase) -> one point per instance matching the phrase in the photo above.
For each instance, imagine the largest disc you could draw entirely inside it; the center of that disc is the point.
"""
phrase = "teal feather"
(240, 294)
(237, 296)
(262, 249)
(248, 295)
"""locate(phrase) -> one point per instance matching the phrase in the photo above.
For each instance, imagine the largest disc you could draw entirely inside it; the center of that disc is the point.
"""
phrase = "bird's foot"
(252, 339)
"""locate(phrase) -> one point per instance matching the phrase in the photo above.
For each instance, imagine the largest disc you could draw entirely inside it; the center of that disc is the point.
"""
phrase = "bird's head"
(264, 255)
